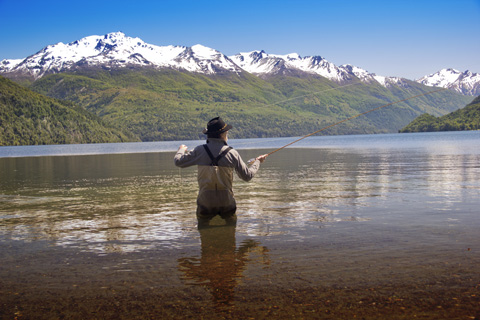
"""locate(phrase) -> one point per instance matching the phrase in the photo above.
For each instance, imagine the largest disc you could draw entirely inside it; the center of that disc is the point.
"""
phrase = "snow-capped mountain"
(368, 77)
(116, 50)
(261, 63)
(467, 83)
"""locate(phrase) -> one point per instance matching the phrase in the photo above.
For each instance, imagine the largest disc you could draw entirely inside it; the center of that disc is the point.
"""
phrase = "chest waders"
(215, 196)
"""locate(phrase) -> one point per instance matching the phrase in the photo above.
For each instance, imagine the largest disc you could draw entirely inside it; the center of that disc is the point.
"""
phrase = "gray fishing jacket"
(215, 182)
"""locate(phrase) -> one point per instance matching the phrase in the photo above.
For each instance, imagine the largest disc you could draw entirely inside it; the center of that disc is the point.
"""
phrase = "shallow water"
(338, 227)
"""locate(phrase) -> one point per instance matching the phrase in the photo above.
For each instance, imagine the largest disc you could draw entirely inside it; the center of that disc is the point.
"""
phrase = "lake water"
(374, 226)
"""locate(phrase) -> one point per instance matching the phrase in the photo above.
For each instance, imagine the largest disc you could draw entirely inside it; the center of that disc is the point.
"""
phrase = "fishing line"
(303, 96)
(313, 93)
(356, 116)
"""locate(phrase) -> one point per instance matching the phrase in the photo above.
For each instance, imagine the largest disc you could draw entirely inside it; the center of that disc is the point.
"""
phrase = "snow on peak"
(256, 62)
(116, 49)
(261, 63)
(467, 83)
(368, 77)
(289, 57)
(205, 52)
(441, 78)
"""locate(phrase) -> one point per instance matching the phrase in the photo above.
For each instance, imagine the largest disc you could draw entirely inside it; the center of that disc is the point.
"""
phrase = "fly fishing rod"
(353, 117)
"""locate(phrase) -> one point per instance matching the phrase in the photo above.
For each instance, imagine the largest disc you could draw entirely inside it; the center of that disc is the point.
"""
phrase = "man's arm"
(245, 172)
(184, 158)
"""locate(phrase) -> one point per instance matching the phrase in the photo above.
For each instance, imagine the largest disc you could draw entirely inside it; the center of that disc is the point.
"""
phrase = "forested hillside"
(170, 105)
(29, 118)
(467, 118)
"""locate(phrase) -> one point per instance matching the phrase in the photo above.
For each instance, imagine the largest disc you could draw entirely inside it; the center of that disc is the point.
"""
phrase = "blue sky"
(408, 38)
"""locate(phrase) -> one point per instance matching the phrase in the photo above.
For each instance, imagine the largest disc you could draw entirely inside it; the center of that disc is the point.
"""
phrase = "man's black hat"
(217, 125)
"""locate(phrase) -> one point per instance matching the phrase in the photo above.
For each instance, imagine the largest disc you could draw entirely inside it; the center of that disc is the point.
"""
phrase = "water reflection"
(121, 230)
(130, 202)
(221, 264)
(310, 189)
(105, 203)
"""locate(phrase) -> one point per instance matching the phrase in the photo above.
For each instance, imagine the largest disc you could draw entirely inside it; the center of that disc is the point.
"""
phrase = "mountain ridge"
(467, 83)
(118, 50)
(168, 93)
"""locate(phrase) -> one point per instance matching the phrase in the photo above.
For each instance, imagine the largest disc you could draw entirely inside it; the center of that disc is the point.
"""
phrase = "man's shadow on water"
(221, 264)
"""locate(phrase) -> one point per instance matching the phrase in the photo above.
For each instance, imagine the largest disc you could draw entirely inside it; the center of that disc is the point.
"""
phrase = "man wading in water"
(216, 162)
